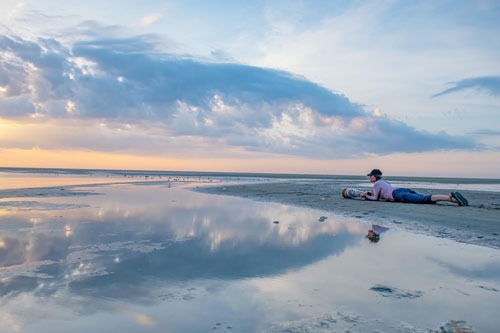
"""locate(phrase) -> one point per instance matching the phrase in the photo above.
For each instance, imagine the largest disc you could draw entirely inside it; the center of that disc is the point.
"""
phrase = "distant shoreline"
(117, 172)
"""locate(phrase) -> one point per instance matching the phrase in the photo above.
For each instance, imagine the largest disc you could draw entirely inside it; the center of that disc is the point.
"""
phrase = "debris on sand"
(322, 218)
(391, 292)
(456, 326)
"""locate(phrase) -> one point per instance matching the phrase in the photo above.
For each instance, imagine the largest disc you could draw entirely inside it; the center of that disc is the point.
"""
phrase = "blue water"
(160, 257)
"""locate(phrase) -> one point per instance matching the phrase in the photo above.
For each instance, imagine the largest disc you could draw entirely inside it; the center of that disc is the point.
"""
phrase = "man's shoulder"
(381, 181)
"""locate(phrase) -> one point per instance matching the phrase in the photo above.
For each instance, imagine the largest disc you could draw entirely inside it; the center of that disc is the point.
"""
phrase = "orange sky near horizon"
(438, 164)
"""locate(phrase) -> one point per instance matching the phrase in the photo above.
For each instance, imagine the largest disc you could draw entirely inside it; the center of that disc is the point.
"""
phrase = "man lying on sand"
(384, 190)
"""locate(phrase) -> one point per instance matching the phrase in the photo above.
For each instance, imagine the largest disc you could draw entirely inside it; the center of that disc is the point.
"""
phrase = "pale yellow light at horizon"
(438, 164)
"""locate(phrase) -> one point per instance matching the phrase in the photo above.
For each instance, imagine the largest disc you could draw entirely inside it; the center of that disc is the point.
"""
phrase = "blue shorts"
(410, 196)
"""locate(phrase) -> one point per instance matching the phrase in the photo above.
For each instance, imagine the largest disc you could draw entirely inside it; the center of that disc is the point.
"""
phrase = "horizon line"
(235, 173)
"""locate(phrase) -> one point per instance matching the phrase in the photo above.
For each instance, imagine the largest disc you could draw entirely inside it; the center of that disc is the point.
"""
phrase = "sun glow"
(68, 231)
(418, 164)
(70, 106)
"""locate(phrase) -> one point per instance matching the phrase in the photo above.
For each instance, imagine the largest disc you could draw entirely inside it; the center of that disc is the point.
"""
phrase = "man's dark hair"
(376, 173)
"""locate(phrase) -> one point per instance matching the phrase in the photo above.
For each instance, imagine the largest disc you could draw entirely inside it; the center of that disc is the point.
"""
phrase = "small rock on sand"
(396, 293)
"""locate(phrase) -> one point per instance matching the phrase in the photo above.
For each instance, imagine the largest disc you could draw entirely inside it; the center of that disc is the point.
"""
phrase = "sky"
(329, 87)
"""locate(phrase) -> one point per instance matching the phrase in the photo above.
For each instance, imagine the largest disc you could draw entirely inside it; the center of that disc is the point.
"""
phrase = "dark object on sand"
(396, 293)
(276, 222)
(322, 218)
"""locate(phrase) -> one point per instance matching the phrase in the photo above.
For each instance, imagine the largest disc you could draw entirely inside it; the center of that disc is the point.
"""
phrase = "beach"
(135, 251)
(478, 223)
(174, 166)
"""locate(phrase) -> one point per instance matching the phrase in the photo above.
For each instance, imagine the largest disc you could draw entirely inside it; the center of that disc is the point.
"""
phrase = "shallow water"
(161, 257)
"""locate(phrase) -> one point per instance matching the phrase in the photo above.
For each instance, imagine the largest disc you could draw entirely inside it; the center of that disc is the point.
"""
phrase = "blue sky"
(324, 80)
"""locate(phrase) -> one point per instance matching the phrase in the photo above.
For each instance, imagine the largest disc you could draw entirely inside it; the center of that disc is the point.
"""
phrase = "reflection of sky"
(171, 219)
(159, 256)
(10, 180)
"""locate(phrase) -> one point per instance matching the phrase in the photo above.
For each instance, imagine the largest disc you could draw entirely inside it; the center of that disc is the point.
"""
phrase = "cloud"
(151, 19)
(16, 107)
(487, 132)
(489, 84)
(171, 99)
(16, 10)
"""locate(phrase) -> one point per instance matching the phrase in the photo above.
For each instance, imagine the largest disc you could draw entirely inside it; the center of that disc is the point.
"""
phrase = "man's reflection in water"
(374, 233)
(372, 236)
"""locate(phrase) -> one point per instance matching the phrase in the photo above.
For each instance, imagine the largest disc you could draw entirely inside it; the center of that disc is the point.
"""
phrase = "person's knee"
(414, 198)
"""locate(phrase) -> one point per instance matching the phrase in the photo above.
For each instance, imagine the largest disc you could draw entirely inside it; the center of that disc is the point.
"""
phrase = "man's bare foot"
(452, 199)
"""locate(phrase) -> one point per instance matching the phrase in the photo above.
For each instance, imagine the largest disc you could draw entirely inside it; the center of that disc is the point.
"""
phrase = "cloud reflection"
(144, 236)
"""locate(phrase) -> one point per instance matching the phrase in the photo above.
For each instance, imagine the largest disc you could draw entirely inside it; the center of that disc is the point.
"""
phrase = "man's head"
(372, 236)
(375, 175)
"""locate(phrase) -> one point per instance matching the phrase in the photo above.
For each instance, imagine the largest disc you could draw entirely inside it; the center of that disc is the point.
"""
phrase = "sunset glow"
(311, 91)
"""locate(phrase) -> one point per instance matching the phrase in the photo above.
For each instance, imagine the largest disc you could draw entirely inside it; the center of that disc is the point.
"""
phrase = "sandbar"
(478, 223)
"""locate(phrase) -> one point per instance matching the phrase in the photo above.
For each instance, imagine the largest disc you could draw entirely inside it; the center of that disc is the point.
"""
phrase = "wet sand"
(478, 223)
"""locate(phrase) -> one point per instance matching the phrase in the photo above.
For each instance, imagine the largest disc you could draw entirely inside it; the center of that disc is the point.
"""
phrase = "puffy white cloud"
(172, 99)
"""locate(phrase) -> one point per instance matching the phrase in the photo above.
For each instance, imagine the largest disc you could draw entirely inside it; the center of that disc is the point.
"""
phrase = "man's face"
(372, 236)
(373, 179)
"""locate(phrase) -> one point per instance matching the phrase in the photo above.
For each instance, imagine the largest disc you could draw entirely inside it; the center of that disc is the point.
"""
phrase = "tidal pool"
(164, 258)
